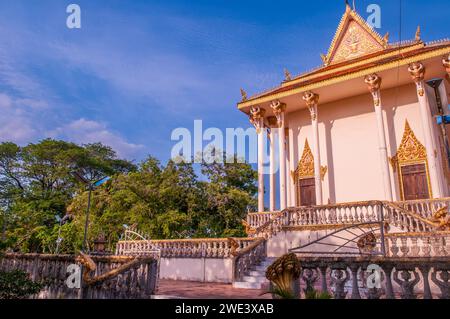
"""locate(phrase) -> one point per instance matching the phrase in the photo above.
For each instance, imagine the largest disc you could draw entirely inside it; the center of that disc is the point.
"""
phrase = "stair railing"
(341, 215)
(248, 257)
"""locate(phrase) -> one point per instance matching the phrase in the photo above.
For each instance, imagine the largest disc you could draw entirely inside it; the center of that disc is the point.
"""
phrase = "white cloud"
(84, 131)
(16, 124)
(5, 101)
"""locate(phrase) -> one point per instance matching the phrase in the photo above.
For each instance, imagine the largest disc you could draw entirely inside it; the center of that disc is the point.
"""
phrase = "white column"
(417, 71)
(374, 83)
(292, 167)
(272, 171)
(257, 119)
(278, 109)
(312, 100)
(288, 184)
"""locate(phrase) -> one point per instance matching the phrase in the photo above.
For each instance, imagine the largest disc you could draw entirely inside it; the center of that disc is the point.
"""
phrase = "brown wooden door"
(307, 192)
(415, 184)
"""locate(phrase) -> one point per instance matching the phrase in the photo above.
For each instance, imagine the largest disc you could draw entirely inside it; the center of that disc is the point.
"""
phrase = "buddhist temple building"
(360, 127)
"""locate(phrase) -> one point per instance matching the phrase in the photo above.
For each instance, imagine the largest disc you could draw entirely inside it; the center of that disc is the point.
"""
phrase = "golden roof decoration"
(418, 32)
(305, 167)
(243, 95)
(354, 37)
(410, 149)
(287, 75)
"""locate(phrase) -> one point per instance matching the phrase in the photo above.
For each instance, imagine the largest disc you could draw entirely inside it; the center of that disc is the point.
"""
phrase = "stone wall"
(115, 277)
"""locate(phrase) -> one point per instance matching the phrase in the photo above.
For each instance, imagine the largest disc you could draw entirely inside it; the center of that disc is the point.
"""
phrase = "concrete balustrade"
(136, 279)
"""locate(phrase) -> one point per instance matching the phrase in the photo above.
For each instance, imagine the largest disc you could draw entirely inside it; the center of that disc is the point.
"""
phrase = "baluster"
(353, 213)
(323, 276)
(355, 289)
(415, 249)
(387, 268)
(394, 247)
(442, 282)
(339, 278)
(425, 270)
(404, 279)
(404, 246)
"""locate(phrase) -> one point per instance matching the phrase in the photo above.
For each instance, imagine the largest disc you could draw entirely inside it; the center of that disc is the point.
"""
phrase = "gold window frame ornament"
(305, 169)
(410, 152)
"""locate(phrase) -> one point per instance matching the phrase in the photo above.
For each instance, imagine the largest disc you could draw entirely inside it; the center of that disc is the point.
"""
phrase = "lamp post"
(61, 221)
(90, 186)
(85, 247)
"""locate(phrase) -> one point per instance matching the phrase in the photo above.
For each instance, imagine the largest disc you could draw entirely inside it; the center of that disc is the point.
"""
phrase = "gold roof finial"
(418, 32)
(244, 95)
(347, 6)
(287, 75)
(324, 58)
(386, 38)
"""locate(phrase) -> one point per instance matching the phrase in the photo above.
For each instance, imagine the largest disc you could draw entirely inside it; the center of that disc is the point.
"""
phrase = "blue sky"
(139, 69)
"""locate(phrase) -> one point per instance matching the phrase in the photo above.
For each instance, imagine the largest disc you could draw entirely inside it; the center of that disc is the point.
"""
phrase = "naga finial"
(244, 95)
(324, 58)
(386, 38)
(287, 75)
(418, 33)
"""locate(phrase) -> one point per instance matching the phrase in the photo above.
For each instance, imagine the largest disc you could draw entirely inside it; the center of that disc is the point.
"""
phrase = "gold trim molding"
(305, 167)
(411, 151)
(346, 77)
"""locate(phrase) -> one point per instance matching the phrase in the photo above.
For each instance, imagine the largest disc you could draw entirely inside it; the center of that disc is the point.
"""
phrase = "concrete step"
(254, 279)
(260, 268)
(257, 273)
(247, 285)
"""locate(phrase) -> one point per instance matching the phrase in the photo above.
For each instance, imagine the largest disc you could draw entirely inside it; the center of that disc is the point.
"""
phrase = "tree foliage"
(176, 200)
(36, 186)
(17, 284)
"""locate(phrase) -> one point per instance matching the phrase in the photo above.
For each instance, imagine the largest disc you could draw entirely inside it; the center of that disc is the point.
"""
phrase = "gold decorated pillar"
(312, 100)
(279, 111)
(417, 71)
(373, 82)
(257, 119)
(446, 63)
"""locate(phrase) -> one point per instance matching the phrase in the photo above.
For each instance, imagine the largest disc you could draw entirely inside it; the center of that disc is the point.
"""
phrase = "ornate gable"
(410, 149)
(306, 164)
(354, 38)
(305, 167)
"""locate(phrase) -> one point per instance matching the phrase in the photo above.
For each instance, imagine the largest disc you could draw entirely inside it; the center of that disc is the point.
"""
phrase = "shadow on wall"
(392, 100)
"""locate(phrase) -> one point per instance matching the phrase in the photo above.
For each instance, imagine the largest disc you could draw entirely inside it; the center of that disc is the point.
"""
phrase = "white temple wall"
(197, 269)
(349, 142)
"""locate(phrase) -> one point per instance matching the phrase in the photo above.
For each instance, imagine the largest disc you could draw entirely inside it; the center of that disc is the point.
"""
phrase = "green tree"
(165, 202)
(36, 185)
(17, 284)
(230, 195)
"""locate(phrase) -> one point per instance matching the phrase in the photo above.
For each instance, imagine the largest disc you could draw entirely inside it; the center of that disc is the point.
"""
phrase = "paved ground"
(199, 290)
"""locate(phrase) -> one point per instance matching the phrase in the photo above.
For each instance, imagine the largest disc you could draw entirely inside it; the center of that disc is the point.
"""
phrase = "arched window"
(304, 181)
(411, 165)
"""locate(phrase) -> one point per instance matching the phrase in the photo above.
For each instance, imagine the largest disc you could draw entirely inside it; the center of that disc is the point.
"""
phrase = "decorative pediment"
(305, 167)
(354, 38)
(410, 149)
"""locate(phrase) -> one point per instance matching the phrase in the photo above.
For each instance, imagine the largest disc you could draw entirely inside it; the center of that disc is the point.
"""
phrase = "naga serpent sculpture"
(442, 217)
(89, 268)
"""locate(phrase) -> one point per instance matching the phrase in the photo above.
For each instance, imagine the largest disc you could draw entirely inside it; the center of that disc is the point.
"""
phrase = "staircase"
(403, 215)
(255, 278)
